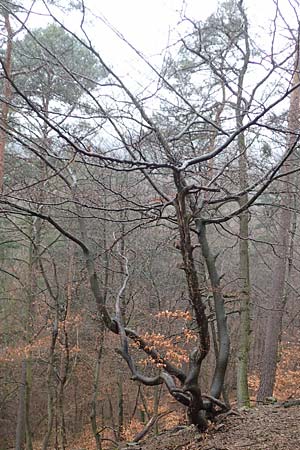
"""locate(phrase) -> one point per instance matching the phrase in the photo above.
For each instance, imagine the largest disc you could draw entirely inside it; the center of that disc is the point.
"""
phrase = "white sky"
(149, 25)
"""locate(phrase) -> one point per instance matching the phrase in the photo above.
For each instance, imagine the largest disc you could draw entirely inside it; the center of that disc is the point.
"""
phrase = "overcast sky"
(147, 23)
(150, 25)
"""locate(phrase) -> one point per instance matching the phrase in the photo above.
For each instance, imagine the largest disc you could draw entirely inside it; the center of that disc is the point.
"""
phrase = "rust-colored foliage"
(287, 377)
(172, 347)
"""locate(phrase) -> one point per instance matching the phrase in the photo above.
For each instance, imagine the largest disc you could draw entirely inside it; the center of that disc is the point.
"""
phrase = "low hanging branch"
(163, 377)
(189, 394)
(149, 425)
(124, 351)
(184, 387)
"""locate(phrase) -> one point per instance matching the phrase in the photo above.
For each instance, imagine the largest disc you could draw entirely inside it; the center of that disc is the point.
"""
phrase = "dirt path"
(269, 427)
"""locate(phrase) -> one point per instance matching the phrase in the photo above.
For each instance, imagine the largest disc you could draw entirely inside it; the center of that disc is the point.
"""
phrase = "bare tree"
(187, 175)
(7, 92)
(274, 322)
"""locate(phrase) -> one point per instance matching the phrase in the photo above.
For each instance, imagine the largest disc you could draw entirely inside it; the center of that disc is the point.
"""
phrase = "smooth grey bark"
(221, 319)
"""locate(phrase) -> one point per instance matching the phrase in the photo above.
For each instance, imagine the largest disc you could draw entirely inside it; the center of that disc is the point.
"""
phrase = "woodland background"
(167, 207)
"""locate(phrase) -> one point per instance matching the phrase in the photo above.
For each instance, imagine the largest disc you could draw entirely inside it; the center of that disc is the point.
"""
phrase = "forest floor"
(271, 427)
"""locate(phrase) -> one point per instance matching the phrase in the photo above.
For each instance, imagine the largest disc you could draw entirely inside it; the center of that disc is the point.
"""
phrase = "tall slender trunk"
(23, 421)
(93, 413)
(157, 394)
(61, 436)
(7, 94)
(50, 386)
(28, 388)
(20, 428)
(244, 334)
(64, 371)
(120, 407)
(29, 321)
(274, 322)
(221, 319)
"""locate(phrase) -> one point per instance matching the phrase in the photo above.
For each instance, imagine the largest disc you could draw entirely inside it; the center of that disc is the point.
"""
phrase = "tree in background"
(225, 51)
(54, 92)
(6, 88)
(285, 222)
(113, 177)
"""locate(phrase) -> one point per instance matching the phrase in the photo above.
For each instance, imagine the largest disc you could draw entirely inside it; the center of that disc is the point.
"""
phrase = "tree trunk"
(63, 376)
(93, 413)
(244, 335)
(274, 322)
(20, 429)
(35, 233)
(50, 385)
(157, 394)
(221, 319)
(196, 412)
(7, 93)
(120, 407)
(28, 431)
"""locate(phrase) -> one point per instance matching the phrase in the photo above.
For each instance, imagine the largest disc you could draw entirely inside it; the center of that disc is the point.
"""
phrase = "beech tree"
(187, 173)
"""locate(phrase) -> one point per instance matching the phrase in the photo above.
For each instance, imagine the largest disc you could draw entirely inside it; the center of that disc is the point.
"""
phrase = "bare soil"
(271, 427)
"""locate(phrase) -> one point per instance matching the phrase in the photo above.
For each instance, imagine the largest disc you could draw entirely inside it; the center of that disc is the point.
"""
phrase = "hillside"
(270, 427)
